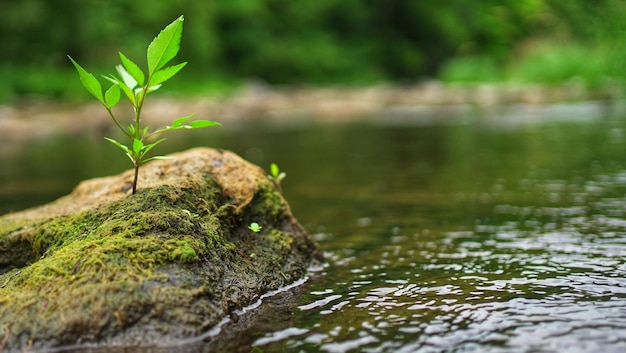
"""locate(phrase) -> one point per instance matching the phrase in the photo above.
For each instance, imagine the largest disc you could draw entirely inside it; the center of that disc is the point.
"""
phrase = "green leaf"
(112, 96)
(162, 157)
(128, 79)
(114, 80)
(153, 88)
(127, 90)
(137, 146)
(156, 157)
(274, 170)
(165, 46)
(165, 74)
(152, 145)
(122, 147)
(133, 69)
(198, 124)
(255, 227)
(89, 81)
(180, 121)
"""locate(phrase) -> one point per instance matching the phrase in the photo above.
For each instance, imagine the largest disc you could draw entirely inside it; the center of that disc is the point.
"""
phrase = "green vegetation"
(108, 258)
(255, 227)
(321, 42)
(276, 176)
(136, 85)
(168, 262)
(578, 40)
(545, 62)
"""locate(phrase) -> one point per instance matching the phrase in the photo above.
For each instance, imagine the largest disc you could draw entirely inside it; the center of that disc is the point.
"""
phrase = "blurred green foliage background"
(353, 42)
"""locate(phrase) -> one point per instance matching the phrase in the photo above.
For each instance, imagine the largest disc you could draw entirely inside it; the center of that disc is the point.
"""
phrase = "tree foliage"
(288, 41)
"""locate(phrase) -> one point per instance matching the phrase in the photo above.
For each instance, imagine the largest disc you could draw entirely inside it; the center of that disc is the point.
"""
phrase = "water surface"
(476, 235)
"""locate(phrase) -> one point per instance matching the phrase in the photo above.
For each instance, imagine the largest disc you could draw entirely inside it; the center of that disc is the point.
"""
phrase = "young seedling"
(276, 176)
(136, 85)
(255, 227)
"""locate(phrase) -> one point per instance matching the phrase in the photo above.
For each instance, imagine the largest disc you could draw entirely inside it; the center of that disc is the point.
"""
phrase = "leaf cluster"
(136, 85)
(276, 176)
(255, 227)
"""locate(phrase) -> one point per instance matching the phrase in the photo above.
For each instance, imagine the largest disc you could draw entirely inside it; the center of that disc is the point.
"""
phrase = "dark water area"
(477, 234)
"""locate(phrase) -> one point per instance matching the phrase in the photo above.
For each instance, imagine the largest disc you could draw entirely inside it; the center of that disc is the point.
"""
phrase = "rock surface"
(101, 266)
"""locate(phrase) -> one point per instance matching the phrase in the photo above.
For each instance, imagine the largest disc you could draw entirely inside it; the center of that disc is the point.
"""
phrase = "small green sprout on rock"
(255, 227)
(276, 176)
(136, 85)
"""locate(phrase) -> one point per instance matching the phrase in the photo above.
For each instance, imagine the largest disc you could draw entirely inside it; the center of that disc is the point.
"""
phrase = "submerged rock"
(101, 266)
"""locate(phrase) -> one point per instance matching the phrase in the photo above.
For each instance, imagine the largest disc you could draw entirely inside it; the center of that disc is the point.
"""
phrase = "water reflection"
(510, 260)
(446, 238)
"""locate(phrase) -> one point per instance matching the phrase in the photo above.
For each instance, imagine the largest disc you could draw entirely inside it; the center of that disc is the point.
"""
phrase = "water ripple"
(531, 279)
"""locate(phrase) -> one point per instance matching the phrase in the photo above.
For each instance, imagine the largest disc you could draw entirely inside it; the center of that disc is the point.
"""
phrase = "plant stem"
(117, 123)
(280, 189)
(136, 176)
(137, 158)
(144, 93)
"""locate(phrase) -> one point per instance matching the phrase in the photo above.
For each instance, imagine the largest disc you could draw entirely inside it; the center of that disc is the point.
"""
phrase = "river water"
(472, 233)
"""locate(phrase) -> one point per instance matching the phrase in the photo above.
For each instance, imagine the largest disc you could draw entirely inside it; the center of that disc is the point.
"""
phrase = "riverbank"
(29, 120)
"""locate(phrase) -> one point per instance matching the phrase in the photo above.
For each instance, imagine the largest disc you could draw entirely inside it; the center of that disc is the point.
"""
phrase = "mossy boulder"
(101, 266)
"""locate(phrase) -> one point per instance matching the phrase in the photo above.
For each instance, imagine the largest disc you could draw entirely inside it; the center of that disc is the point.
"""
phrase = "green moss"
(168, 257)
(7, 226)
(268, 204)
(122, 243)
(184, 252)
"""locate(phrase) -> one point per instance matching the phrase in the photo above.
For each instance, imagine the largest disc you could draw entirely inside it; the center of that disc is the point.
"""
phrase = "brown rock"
(101, 266)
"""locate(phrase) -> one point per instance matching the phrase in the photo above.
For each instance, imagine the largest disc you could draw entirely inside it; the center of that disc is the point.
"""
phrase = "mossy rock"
(101, 266)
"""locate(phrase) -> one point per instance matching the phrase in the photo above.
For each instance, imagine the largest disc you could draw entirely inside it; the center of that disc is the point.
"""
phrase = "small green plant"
(276, 176)
(136, 86)
(255, 227)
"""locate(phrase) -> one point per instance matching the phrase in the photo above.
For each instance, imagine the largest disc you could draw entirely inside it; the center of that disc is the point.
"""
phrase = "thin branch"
(118, 124)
